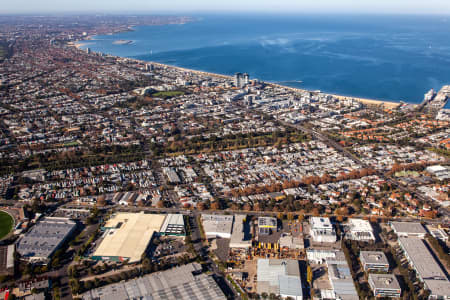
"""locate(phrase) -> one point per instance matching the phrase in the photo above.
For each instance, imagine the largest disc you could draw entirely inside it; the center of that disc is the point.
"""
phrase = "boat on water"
(122, 42)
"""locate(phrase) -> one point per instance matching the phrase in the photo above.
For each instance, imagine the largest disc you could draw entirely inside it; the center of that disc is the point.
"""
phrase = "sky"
(180, 6)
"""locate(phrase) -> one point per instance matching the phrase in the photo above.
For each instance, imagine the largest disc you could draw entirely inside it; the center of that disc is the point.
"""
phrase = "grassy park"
(167, 94)
(6, 224)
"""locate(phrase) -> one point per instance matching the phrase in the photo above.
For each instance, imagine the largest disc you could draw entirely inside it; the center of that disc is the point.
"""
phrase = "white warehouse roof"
(217, 225)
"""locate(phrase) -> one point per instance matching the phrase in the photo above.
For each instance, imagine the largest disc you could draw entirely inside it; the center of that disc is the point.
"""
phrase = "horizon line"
(181, 13)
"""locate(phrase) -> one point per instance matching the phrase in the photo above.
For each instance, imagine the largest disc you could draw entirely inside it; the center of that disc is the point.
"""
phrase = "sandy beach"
(78, 45)
(386, 104)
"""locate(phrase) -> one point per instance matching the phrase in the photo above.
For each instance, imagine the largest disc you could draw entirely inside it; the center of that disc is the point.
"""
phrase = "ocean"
(396, 58)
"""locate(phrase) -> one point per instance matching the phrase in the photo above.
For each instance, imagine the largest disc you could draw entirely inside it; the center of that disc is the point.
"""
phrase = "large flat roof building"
(217, 225)
(240, 236)
(360, 230)
(127, 236)
(179, 283)
(173, 225)
(39, 244)
(441, 172)
(426, 267)
(374, 261)
(322, 230)
(280, 277)
(408, 229)
(385, 285)
(421, 259)
(340, 278)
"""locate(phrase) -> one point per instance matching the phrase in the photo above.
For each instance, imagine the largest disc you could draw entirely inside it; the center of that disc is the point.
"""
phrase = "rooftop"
(438, 287)
(278, 276)
(341, 278)
(130, 235)
(217, 225)
(45, 237)
(423, 261)
(267, 222)
(384, 281)
(436, 168)
(374, 257)
(320, 222)
(408, 227)
(240, 237)
(360, 225)
(173, 224)
(174, 284)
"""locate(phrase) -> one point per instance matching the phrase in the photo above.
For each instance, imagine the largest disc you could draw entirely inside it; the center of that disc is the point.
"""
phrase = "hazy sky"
(176, 6)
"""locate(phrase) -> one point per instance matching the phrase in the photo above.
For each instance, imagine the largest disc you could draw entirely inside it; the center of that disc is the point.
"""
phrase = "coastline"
(79, 44)
(386, 104)
(366, 101)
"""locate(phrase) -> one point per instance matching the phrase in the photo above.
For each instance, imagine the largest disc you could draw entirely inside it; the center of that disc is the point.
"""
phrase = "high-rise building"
(241, 80)
(238, 79)
(246, 78)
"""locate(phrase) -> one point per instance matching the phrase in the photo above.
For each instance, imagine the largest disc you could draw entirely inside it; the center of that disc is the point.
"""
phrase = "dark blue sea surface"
(381, 57)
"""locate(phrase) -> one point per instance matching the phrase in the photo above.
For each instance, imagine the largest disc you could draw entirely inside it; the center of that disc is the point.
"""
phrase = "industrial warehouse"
(280, 277)
(217, 225)
(230, 227)
(39, 244)
(181, 283)
(127, 235)
(173, 225)
(427, 269)
(240, 236)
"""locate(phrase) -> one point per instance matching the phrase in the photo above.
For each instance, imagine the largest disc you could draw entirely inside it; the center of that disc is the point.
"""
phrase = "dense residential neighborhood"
(126, 179)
